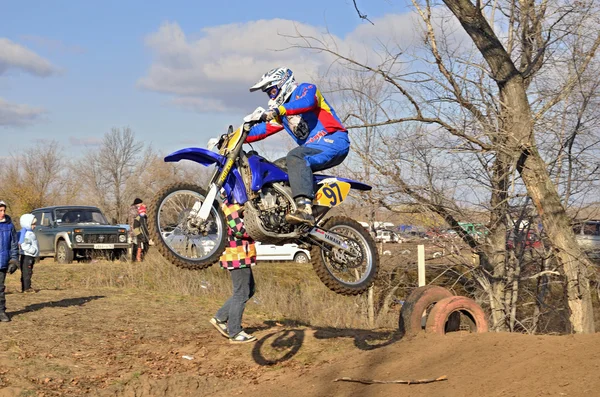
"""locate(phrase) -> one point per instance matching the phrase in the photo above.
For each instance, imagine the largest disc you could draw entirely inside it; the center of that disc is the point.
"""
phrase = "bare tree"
(107, 172)
(36, 178)
(477, 106)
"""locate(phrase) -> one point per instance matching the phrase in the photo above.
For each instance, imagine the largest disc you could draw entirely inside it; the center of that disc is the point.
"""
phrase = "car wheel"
(64, 254)
(301, 257)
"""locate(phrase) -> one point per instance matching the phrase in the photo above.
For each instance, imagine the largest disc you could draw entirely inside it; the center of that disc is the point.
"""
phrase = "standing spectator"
(9, 255)
(238, 258)
(140, 233)
(131, 215)
(29, 250)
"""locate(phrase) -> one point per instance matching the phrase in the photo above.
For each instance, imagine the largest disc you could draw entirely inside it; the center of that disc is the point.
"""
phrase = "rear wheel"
(178, 239)
(352, 271)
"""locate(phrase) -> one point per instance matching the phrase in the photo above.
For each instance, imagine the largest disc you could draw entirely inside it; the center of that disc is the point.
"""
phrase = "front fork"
(200, 211)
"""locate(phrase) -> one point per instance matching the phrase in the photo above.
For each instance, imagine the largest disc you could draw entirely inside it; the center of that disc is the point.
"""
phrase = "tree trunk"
(520, 143)
(557, 225)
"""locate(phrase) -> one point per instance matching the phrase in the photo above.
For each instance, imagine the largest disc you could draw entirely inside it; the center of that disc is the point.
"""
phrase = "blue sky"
(175, 73)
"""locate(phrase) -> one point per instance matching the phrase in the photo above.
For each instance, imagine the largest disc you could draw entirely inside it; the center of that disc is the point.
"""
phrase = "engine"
(273, 206)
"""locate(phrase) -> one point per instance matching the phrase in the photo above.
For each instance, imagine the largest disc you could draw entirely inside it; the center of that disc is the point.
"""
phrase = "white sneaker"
(242, 337)
(220, 326)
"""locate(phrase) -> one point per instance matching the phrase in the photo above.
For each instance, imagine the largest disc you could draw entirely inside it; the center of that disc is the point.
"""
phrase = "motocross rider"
(304, 113)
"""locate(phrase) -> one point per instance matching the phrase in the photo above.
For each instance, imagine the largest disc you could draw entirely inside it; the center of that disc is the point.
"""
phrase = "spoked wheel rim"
(187, 241)
(357, 268)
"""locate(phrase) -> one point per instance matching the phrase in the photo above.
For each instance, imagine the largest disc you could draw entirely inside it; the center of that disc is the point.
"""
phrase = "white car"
(285, 252)
(264, 252)
(387, 236)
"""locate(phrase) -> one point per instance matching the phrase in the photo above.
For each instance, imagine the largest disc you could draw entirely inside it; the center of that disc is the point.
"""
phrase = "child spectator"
(29, 250)
(140, 232)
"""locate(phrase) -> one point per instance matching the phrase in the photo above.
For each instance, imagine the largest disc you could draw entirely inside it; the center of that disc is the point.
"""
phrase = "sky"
(176, 73)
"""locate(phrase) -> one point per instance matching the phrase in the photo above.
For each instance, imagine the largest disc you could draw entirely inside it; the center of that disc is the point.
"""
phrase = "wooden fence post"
(421, 264)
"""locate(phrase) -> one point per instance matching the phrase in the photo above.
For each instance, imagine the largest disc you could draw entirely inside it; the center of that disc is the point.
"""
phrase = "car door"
(264, 252)
(44, 232)
(286, 252)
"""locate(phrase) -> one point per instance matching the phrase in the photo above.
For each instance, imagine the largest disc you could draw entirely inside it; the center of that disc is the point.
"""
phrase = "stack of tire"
(442, 311)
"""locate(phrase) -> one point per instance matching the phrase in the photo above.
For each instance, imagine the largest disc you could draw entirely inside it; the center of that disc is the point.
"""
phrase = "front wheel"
(349, 272)
(178, 239)
(64, 254)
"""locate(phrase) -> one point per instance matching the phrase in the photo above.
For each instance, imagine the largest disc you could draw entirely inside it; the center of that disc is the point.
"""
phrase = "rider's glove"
(12, 266)
(269, 114)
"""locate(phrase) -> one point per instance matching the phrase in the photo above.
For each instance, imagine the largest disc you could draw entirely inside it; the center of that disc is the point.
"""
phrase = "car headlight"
(79, 238)
(122, 238)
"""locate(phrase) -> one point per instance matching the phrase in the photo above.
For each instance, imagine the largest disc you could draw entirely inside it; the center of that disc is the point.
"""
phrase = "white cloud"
(13, 55)
(52, 45)
(213, 70)
(85, 141)
(18, 115)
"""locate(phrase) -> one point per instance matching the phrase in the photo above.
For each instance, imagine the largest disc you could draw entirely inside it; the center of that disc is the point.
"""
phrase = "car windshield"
(591, 229)
(588, 228)
(80, 215)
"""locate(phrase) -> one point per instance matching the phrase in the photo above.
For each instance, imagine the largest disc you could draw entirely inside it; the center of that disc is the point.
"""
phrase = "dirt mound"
(121, 343)
(476, 364)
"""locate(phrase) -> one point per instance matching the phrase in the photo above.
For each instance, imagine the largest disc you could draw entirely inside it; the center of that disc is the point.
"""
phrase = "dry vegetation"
(286, 291)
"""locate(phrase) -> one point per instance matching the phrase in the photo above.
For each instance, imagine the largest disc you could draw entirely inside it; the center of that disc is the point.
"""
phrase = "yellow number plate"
(234, 138)
(332, 194)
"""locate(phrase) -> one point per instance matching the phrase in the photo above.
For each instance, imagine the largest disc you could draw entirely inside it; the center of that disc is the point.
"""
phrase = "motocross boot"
(303, 214)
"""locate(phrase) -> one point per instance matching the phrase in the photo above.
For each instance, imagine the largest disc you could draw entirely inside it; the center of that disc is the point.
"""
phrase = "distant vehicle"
(531, 240)
(415, 234)
(437, 233)
(285, 252)
(386, 236)
(71, 232)
(477, 230)
(587, 234)
(383, 225)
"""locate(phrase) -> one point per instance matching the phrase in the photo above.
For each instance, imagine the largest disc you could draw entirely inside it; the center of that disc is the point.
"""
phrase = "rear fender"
(353, 184)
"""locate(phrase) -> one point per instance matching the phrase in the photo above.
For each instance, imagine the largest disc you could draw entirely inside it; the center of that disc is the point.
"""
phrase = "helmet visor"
(272, 91)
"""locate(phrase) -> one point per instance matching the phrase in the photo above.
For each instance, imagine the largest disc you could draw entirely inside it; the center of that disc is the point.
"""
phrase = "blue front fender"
(198, 155)
(234, 185)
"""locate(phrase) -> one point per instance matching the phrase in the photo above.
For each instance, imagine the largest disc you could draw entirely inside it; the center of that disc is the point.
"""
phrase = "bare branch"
(361, 15)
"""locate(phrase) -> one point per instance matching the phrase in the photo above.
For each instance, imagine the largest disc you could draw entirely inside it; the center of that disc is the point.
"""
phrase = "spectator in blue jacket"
(303, 111)
(29, 250)
(9, 255)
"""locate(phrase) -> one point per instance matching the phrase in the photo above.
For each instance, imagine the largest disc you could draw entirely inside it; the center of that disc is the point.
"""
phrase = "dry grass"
(286, 292)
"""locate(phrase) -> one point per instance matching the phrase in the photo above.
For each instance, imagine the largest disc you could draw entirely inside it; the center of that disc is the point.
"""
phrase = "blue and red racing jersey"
(307, 117)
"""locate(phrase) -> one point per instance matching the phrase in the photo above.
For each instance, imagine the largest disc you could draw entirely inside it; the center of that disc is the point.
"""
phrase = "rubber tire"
(417, 302)
(158, 238)
(438, 318)
(321, 268)
(301, 257)
(119, 255)
(68, 257)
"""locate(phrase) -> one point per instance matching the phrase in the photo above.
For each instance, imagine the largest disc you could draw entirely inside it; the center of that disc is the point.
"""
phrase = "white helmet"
(278, 83)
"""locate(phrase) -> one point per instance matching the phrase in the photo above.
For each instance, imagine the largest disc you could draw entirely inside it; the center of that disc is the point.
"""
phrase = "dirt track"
(111, 342)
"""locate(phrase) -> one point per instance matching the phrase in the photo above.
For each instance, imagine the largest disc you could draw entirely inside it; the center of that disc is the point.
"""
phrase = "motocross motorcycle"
(190, 229)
